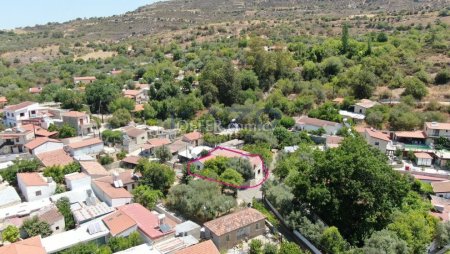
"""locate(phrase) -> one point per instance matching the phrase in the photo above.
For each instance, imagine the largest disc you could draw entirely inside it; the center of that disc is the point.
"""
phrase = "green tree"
(287, 122)
(120, 118)
(199, 201)
(332, 241)
(100, 94)
(121, 103)
(63, 205)
(66, 131)
(112, 136)
(332, 66)
(345, 39)
(88, 248)
(329, 183)
(255, 246)
(416, 88)
(385, 241)
(11, 234)
(163, 154)
(156, 176)
(119, 243)
(270, 248)
(146, 196)
(33, 227)
(442, 77)
(289, 248)
(248, 79)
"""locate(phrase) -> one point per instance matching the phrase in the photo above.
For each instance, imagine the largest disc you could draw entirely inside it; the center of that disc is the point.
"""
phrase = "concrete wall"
(30, 192)
(89, 150)
(229, 240)
(47, 147)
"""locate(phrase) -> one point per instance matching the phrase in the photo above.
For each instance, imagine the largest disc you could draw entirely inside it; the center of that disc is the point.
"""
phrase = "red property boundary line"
(264, 168)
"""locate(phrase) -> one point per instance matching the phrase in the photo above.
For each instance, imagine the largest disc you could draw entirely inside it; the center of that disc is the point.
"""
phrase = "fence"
(297, 236)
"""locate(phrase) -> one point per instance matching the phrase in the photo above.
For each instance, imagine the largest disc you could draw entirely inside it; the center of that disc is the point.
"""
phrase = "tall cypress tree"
(345, 38)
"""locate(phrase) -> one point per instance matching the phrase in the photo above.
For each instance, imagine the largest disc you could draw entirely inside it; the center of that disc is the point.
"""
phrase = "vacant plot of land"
(96, 55)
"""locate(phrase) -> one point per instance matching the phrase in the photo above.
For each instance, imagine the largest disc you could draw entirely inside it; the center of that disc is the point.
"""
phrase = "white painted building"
(43, 145)
(14, 115)
(305, 123)
(77, 181)
(91, 146)
(35, 186)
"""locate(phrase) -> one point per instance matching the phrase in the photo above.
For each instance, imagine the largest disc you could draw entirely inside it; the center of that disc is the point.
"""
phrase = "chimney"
(161, 219)
(439, 208)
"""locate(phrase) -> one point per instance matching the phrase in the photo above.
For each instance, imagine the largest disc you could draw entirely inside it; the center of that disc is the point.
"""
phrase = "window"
(377, 143)
(257, 225)
(57, 228)
(33, 112)
(12, 114)
(228, 238)
(38, 193)
(22, 114)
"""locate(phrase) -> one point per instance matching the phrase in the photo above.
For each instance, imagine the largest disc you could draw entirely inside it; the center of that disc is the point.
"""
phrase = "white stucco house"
(15, 114)
(305, 123)
(35, 186)
(90, 146)
(76, 181)
(43, 145)
(115, 190)
(379, 140)
(423, 159)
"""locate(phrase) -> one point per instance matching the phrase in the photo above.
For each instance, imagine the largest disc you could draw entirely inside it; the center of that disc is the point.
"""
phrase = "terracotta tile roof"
(193, 136)
(178, 146)
(132, 93)
(410, 134)
(55, 158)
(134, 132)
(206, 247)
(31, 245)
(116, 72)
(35, 90)
(93, 168)
(3, 99)
(377, 134)
(132, 159)
(314, 121)
(360, 129)
(234, 221)
(127, 176)
(423, 156)
(111, 191)
(19, 106)
(429, 178)
(138, 107)
(118, 222)
(32, 179)
(84, 78)
(338, 100)
(76, 176)
(147, 221)
(157, 142)
(51, 216)
(74, 114)
(85, 143)
(366, 103)
(441, 187)
(39, 141)
(438, 126)
(38, 130)
(335, 140)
